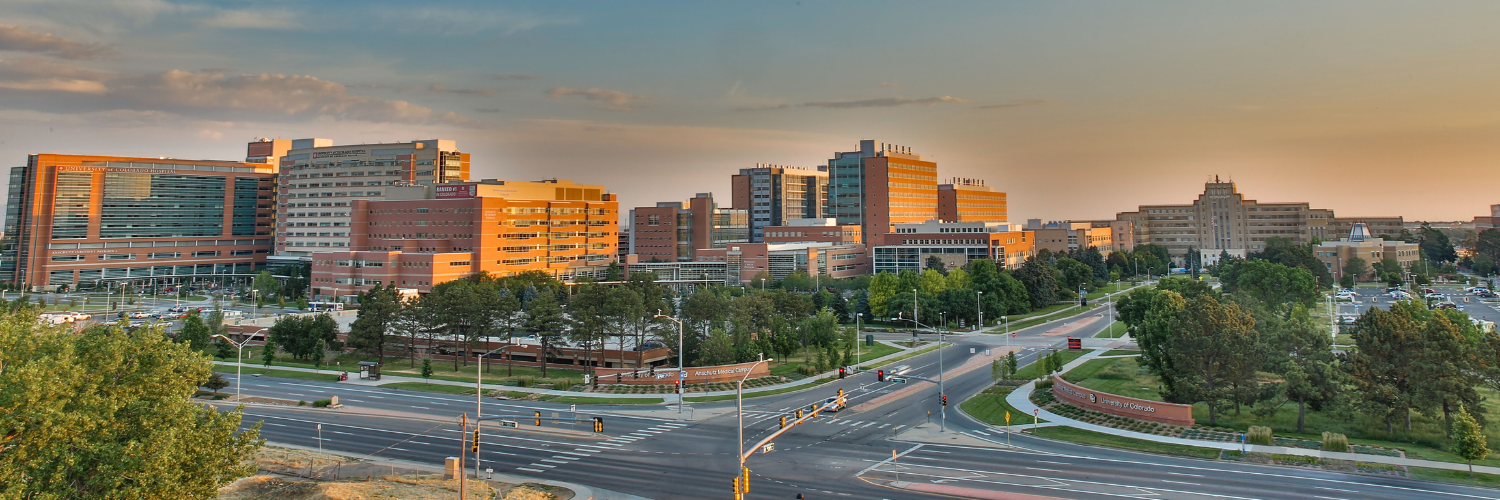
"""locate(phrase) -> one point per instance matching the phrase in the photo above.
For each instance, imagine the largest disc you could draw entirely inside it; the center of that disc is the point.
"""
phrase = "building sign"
(1142, 409)
(131, 170)
(341, 153)
(456, 190)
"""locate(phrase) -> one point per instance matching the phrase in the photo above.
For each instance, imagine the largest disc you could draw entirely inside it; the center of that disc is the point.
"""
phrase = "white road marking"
(531, 470)
(1180, 482)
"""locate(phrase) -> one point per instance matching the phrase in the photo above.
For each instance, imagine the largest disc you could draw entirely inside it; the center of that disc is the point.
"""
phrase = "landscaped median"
(1093, 374)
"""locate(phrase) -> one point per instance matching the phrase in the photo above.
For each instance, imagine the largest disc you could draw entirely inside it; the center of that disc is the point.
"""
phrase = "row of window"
(155, 255)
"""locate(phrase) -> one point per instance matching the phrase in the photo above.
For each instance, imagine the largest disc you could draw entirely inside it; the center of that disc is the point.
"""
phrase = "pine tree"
(268, 353)
(426, 369)
(1469, 440)
(1011, 364)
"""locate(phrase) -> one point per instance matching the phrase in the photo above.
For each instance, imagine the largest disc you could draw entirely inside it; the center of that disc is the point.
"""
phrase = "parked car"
(140, 314)
(1348, 319)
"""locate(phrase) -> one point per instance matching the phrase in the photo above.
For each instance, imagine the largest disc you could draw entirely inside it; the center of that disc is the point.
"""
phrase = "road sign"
(971, 350)
(1075, 344)
(986, 352)
(899, 380)
(769, 447)
(1007, 418)
(509, 423)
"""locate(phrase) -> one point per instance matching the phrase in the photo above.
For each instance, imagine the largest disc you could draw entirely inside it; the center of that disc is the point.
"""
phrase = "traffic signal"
(474, 448)
(799, 414)
(841, 372)
(880, 375)
(745, 481)
(737, 494)
(538, 418)
(841, 394)
(598, 424)
(677, 386)
(945, 400)
(783, 421)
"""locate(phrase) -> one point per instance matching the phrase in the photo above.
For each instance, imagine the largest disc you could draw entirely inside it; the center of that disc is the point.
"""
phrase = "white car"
(1348, 319)
(1435, 295)
(1476, 289)
(140, 315)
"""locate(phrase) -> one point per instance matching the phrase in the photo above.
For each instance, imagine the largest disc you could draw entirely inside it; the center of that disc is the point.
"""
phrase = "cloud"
(1016, 104)
(210, 134)
(463, 22)
(885, 102)
(890, 85)
(57, 87)
(440, 89)
(513, 76)
(253, 19)
(618, 101)
(18, 39)
(487, 110)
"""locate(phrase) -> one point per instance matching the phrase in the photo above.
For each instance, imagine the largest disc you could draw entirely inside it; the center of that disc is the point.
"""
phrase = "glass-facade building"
(79, 220)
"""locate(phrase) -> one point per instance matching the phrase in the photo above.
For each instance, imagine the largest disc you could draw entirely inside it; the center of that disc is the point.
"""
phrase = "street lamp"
(1006, 320)
(479, 400)
(980, 308)
(237, 362)
(739, 404)
(858, 330)
(680, 378)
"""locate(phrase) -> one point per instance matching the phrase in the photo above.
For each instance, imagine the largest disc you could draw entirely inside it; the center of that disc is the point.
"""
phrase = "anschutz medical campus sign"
(1155, 411)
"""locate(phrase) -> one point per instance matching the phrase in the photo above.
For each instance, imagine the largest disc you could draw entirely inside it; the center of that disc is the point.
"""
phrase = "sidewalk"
(666, 398)
(1020, 399)
(580, 492)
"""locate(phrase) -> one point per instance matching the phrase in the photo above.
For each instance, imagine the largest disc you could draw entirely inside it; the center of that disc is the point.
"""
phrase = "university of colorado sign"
(1142, 409)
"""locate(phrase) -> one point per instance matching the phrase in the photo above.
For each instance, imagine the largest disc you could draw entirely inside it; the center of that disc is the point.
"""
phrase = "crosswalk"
(587, 450)
(756, 417)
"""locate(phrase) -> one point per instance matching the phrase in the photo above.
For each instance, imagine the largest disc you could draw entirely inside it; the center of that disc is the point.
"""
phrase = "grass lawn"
(1094, 438)
(419, 386)
(1034, 371)
(1115, 330)
(991, 408)
(730, 397)
(1426, 439)
(247, 371)
(586, 400)
(441, 370)
(903, 357)
(1118, 376)
(1122, 352)
(1454, 476)
(787, 367)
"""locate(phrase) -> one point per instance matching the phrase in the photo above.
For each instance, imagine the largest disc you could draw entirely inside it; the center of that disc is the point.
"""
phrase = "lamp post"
(479, 401)
(858, 330)
(980, 308)
(680, 388)
(237, 362)
(739, 405)
(1006, 320)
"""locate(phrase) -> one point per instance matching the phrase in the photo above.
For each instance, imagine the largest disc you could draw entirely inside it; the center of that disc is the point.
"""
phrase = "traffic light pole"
(680, 368)
(943, 410)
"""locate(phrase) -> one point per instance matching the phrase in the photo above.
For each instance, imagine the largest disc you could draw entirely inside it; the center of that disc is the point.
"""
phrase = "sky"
(1078, 110)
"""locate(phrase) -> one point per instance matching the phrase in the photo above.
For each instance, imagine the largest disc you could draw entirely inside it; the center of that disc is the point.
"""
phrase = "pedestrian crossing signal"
(598, 424)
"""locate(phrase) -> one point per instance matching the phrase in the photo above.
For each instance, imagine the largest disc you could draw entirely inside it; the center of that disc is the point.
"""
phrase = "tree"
(1302, 353)
(935, 263)
(215, 382)
(268, 353)
(882, 289)
(371, 329)
(1488, 244)
(1283, 251)
(545, 317)
(1356, 268)
(1208, 350)
(1469, 440)
(194, 332)
(1435, 245)
(614, 272)
(105, 413)
(223, 349)
(320, 354)
(1278, 286)
(264, 285)
(1381, 367)
(1040, 283)
(427, 369)
(1446, 370)
(299, 334)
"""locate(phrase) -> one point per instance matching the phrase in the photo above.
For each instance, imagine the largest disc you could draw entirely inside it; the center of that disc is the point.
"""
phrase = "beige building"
(1107, 236)
(1223, 219)
(1361, 243)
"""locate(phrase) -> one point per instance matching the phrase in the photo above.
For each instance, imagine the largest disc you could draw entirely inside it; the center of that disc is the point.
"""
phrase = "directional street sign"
(682, 375)
(899, 380)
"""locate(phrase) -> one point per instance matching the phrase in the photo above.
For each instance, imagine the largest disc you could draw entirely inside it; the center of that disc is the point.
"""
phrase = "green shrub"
(220, 396)
(525, 381)
(562, 385)
(1044, 384)
(322, 403)
(301, 403)
(1333, 441)
(1259, 435)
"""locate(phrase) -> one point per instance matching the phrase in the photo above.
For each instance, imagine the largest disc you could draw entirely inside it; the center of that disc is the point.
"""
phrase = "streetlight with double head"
(237, 361)
(739, 405)
(680, 378)
(479, 400)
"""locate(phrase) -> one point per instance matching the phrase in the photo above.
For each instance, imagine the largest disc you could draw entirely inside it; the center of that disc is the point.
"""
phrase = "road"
(647, 452)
